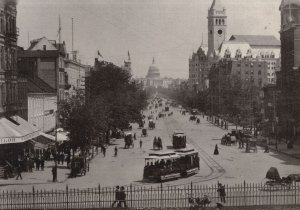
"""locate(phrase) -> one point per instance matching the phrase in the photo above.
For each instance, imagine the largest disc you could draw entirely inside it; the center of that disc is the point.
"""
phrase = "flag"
(99, 54)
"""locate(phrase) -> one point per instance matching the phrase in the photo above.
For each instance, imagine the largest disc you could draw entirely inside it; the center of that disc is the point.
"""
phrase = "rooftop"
(257, 40)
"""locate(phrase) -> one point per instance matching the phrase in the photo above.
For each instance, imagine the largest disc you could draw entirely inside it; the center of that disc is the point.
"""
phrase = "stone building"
(288, 78)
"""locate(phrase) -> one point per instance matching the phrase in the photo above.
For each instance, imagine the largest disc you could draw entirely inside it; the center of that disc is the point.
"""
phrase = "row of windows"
(7, 23)
(7, 58)
(8, 93)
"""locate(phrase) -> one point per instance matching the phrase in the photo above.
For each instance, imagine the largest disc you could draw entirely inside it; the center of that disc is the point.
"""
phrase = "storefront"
(16, 139)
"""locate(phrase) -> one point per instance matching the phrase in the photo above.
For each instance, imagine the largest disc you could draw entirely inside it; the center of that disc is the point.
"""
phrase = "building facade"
(199, 67)
(8, 51)
(288, 78)
(75, 77)
(42, 108)
(217, 27)
(43, 63)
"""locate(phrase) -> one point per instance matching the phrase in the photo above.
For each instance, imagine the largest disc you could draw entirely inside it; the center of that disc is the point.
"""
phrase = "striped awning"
(15, 129)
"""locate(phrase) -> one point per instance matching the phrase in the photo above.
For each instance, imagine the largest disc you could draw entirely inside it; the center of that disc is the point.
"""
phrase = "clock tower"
(217, 27)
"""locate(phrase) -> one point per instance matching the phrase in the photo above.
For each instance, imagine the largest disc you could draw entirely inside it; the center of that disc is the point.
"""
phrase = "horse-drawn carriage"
(251, 145)
(228, 140)
(78, 166)
(179, 139)
(161, 115)
(144, 132)
(193, 118)
(151, 124)
(274, 182)
(128, 139)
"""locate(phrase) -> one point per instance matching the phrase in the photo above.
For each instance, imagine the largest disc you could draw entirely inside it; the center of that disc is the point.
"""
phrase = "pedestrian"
(222, 193)
(117, 196)
(122, 197)
(37, 163)
(116, 151)
(42, 163)
(216, 152)
(104, 151)
(54, 173)
(141, 143)
(266, 149)
(134, 136)
(19, 171)
(57, 157)
(62, 158)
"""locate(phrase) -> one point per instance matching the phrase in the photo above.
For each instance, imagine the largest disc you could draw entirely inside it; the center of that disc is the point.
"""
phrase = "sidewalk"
(39, 177)
(282, 148)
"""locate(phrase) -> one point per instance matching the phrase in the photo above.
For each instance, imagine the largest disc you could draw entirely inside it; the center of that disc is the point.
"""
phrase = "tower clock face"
(220, 32)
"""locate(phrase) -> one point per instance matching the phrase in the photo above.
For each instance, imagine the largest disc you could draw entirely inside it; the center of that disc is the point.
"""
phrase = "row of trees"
(231, 97)
(111, 101)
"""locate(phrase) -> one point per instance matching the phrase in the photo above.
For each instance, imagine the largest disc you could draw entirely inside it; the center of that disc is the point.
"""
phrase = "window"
(259, 72)
(216, 21)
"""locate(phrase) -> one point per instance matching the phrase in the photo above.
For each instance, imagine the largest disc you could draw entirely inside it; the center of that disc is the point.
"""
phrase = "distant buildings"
(258, 48)
(52, 77)
(154, 80)
(127, 65)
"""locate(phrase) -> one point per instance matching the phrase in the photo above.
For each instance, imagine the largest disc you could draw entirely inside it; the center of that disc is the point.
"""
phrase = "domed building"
(153, 76)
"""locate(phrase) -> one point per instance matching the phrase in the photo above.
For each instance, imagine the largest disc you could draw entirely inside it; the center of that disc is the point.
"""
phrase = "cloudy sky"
(169, 30)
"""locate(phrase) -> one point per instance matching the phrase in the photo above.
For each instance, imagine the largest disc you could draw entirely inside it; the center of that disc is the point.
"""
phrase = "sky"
(168, 30)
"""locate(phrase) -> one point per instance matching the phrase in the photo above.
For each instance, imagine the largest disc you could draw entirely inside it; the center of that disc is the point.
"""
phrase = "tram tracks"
(216, 169)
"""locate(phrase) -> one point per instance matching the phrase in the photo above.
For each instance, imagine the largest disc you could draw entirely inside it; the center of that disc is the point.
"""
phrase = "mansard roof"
(257, 40)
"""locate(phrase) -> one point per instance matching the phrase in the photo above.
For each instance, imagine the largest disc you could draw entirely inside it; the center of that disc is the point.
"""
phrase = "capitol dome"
(153, 72)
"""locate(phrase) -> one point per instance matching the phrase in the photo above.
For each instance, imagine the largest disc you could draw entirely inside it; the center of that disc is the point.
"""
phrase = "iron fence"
(245, 194)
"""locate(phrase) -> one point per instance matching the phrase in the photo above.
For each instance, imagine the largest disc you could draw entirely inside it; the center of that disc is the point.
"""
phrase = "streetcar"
(188, 161)
(179, 139)
(162, 166)
(170, 165)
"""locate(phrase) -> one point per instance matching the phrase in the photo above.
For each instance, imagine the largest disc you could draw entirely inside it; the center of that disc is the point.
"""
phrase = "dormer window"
(227, 53)
(238, 54)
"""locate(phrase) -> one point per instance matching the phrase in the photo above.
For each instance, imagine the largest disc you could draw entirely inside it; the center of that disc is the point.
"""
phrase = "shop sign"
(11, 140)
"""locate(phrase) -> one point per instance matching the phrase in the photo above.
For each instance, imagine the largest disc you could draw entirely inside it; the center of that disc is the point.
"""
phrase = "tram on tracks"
(169, 165)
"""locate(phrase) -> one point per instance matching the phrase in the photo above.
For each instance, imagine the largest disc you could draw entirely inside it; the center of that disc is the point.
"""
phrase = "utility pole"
(275, 118)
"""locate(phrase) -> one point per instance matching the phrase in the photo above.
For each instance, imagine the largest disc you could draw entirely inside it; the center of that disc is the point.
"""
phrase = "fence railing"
(152, 197)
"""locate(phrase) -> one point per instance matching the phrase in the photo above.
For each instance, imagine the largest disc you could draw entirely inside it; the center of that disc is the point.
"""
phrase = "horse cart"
(78, 166)
(144, 132)
(251, 145)
(151, 124)
(274, 182)
(128, 139)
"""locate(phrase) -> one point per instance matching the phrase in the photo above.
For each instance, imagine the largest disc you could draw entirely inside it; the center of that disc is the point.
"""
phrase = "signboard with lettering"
(19, 139)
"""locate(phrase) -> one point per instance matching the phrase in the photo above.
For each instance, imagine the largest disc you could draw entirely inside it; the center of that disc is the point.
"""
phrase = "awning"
(62, 136)
(15, 129)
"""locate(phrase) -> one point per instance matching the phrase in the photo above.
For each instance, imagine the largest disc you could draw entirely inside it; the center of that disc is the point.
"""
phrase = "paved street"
(231, 166)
